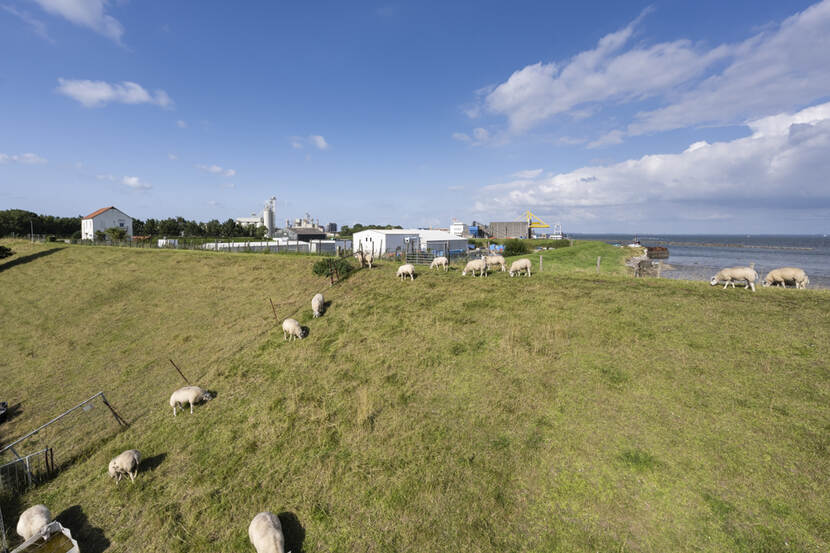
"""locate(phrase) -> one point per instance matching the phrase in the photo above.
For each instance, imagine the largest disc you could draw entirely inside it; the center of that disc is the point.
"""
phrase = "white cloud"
(528, 174)
(780, 68)
(135, 183)
(315, 140)
(86, 13)
(27, 159)
(455, 188)
(98, 93)
(217, 170)
(480, 136)
(783, 163)
(319, 142)
(37, 26)
(181, 124)
(612, 137)
(172, 157)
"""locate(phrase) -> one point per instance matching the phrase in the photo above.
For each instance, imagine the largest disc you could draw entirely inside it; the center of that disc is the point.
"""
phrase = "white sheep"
(188, 394)
(475, 265)
(407, 269)
(493, 260)
(265, 533)
(520, 265)
(783, 275)
(32, 520)
(317, 305)
(125, 463)
(291, 329)
(364, 258)
(731, 274)
(440, 262)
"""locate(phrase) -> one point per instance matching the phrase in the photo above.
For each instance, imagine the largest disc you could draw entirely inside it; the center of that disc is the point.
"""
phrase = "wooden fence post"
(599, 258)
(540, 263)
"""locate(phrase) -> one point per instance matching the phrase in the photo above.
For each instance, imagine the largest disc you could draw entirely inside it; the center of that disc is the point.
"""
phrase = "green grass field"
(568, 411)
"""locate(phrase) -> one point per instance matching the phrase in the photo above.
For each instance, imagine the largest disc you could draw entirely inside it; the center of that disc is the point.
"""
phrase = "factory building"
(509, 229)
(267, 219)
(383, 241)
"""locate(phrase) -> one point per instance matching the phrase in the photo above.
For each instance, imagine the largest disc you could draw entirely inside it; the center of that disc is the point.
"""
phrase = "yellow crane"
(533, 221)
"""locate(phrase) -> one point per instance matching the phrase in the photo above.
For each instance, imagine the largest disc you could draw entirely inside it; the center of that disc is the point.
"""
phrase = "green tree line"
(21, 222)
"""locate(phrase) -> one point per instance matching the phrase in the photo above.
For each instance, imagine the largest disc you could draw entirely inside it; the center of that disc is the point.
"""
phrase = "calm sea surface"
(699, 256)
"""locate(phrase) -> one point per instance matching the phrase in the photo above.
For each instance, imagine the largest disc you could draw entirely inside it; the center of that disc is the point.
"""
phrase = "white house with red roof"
(104, 218)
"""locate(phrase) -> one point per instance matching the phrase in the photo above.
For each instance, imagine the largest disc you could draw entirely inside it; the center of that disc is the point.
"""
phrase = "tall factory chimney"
(268, 216)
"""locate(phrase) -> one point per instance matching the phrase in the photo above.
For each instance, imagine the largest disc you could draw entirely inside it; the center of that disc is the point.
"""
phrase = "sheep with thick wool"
(188, 394)
(732, 274)
(265, 533)
(407, 269)
(520, 265)
(475, 265)
(493, 260)
(364, 258)
(439, 263)
(125, 463)
(32, 520)
(783, 275)
(317, 304)
(292, 330)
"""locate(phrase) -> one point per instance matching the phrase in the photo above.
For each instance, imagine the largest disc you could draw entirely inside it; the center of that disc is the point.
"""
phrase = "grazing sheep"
(125, 463)
(520, 265)
(265, 533)
(493, 260)
(731, 274)
(475, 265)
(188, 394)
(291, 328)
(317, 305)
(783, 275)
(365, 258)
(408, 269)
(439, 262)
(32, 520)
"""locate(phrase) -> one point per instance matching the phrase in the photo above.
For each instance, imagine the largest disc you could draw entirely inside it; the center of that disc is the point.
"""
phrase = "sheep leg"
(132, 477)
(174, 410)
(191, 407)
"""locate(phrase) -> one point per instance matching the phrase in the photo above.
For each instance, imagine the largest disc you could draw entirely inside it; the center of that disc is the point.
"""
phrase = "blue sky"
(606, 116)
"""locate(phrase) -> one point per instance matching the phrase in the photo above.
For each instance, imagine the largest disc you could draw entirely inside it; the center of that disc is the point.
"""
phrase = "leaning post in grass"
(540, 263)
(274, 309)
(180, 371)
(599, 258)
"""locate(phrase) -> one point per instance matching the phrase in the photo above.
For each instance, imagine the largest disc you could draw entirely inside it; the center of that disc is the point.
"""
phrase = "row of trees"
(20, 221)
(179, 226)
(346, 231)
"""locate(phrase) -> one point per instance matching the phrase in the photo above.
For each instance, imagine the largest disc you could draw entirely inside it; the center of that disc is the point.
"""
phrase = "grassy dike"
(569, 411)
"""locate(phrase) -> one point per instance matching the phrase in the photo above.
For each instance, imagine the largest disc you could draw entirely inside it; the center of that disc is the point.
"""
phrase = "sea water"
(700, 256)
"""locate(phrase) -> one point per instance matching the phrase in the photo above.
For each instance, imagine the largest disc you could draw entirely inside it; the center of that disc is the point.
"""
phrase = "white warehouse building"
(383, 241)
(104, 218)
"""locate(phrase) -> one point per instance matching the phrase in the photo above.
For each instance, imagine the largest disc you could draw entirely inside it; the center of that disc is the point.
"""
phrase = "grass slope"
(564, 412)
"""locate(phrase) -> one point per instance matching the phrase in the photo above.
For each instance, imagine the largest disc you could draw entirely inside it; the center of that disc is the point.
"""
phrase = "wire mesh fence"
(20, 474)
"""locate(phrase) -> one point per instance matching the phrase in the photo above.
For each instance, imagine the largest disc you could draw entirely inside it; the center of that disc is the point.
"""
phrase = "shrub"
(514, 247)
(5, 252)
(323, 267)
